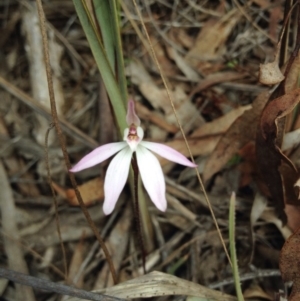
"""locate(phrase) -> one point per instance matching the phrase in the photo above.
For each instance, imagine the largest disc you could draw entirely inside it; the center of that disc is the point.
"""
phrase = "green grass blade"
(103, 65)
(107, 15)
(235, 269)
(119, 53)
(104, 18)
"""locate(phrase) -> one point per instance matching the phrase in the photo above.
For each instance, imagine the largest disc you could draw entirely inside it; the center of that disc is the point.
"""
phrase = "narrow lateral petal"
(152, 177)
(115, 179)
(98, 155)
(168, 153)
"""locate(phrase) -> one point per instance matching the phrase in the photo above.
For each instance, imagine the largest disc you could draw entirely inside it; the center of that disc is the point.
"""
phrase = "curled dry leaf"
(289, 264)
(277, 171)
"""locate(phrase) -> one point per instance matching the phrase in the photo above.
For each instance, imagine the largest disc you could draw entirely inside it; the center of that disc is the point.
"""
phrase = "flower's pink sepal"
(131, 117)
(168, 152)
(98, 155)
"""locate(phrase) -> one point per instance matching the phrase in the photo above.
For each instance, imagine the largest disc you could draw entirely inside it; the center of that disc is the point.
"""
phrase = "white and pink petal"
(115, 179)
(98, 155)
(168, 153)
(152, 177)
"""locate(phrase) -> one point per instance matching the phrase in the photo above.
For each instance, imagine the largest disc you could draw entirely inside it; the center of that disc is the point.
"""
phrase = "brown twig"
(55, 202)
(62, 140)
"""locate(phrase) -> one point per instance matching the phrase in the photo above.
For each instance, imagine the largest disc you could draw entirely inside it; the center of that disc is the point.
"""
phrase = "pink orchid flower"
(118, 169)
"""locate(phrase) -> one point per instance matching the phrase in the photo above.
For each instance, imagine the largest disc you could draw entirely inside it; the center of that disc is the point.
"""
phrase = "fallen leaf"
(185, 68)
(74, 275)
(289, 264)
(90, 191)
(157, 284)
(216, 78)
(220, 125)
(269, 156)
(187, 112)
(212, 38)
(256, 292)
(238, 135)
(117, 243)
(155, 118)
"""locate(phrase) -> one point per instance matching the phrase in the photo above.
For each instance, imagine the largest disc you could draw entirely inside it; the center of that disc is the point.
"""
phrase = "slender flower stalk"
(118, 169)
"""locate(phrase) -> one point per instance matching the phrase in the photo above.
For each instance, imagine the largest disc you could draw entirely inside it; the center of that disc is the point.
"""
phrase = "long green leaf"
(119, 53)
(103, 16)
(103, 65)
(108, 18)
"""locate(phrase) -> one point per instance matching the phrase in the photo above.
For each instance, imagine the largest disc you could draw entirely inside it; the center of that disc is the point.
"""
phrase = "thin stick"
(58, 288)
(55, 202)
(182, 132)
(62, 140)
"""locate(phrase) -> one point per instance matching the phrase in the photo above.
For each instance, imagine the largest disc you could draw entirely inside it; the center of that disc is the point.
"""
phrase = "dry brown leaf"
(187, 112)
(240, 132)
(75, 264)
(164, 62)
(90, 191)
(292, 79)
(256, 292)
(215, 78)
(158, 97)
(276, 16)
(180, 208)
(183, 38)
(293, 216)
(212, 38)
(160, 284)
(221, 124)
(186, 69)
(277, 171)
(117, 245)
(289, 264)
(155, 118)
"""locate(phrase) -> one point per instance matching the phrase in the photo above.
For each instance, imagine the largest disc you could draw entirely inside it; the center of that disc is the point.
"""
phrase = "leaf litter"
(213, 77)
